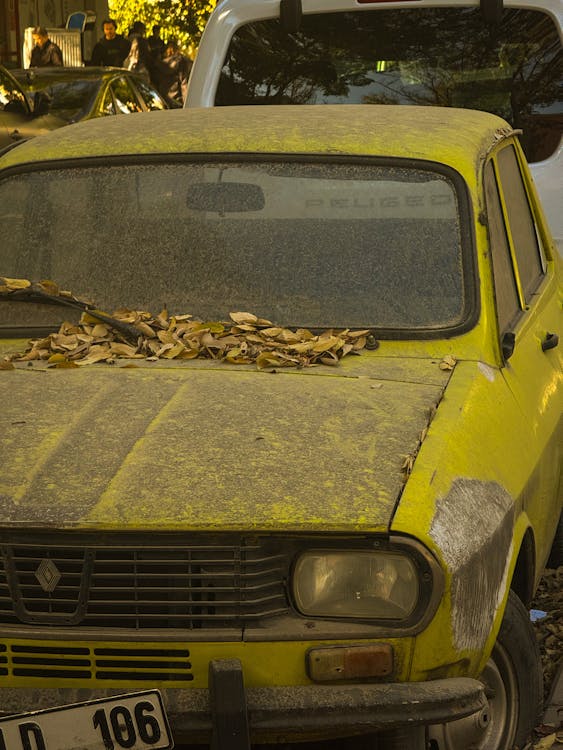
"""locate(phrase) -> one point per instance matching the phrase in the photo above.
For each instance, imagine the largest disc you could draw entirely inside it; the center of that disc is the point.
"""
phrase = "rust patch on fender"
(473, 526)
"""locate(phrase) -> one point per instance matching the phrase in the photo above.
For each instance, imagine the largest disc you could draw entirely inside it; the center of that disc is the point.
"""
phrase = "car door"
(529, 322)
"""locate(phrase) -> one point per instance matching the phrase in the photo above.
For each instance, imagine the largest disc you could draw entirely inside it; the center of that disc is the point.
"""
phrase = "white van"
(506, 60)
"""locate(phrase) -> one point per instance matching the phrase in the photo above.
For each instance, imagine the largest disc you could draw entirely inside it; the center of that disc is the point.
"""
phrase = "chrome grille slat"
(187, 585)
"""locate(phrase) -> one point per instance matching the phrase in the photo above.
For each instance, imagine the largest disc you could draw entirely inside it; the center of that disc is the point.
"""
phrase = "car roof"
(458, 137)
(52, 73)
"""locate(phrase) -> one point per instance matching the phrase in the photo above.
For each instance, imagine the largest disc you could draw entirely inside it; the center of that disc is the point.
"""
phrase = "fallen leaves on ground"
(549, 632)
(545, 743)
(549, 629)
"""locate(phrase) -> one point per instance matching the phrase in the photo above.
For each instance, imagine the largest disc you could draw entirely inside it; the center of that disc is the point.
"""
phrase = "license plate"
(135, 721)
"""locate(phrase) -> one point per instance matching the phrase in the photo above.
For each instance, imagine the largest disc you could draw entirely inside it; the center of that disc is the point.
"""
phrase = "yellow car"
(280, 430)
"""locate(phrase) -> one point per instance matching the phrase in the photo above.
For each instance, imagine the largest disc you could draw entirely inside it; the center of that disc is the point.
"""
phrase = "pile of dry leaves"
(246, 339)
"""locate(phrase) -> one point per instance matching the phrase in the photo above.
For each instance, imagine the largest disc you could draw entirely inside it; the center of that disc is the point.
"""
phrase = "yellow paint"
(174, 464)
(280, 663)
(170, 460)
(461, 139)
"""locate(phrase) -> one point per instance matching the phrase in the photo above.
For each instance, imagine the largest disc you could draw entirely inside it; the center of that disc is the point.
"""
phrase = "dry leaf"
(13, 284)
(49, 287)
(145, 329)
(96, 354)
(302, 347)
(243, 317)
(55, 359)
(408, 463)
(100, 331)
(123, 350)
(175, 351)
(546, 742)
(356, 334)
(329, 358)
(65, 364)
(166, 337)
(448, 363)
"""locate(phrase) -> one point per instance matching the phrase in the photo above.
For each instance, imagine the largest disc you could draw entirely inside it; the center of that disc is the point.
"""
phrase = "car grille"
(173, 583)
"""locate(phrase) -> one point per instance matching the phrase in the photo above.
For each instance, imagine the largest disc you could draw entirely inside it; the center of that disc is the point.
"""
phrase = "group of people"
(163, 64)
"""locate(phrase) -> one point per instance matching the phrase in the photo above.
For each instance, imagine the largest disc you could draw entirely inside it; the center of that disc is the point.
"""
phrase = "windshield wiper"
(36, 293)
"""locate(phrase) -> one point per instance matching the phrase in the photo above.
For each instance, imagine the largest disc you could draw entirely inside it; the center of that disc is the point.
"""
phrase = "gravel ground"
(549, 631)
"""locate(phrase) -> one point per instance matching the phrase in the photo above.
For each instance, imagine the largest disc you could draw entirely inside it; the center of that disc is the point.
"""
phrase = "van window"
(425, 56)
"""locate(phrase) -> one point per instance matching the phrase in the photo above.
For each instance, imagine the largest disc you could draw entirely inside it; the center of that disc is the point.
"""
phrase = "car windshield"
(427, 56)
(71, 99)
(320, 244)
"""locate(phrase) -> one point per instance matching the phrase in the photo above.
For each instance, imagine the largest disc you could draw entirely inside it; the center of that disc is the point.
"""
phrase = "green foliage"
(183, 20)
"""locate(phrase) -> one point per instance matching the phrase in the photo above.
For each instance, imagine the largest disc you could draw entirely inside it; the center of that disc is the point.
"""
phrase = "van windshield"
(424, 56)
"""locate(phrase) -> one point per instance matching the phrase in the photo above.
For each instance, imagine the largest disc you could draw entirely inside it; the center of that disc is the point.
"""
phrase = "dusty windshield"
(427, 56)
(307, 244)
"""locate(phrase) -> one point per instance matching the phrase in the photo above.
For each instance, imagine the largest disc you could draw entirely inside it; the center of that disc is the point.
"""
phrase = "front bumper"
(283, 714)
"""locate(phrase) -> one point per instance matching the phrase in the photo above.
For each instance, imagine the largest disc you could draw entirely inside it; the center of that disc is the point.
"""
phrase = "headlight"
(359, 584)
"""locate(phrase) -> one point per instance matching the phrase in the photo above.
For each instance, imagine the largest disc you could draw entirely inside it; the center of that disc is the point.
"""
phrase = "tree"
(183, 20)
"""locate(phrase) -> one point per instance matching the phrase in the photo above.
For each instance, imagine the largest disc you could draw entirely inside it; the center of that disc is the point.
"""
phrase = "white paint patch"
(473, 526)
(487, 371)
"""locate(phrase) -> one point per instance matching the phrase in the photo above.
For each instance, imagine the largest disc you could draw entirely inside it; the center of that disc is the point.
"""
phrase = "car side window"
(108, 105)
(520, 222)
(151, 97)
(506, 292)
(125, 97)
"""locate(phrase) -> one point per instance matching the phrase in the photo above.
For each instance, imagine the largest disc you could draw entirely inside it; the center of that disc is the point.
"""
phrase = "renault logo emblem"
(48, 575)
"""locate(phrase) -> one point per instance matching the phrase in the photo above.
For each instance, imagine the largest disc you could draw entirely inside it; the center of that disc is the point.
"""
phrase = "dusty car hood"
(207, 448)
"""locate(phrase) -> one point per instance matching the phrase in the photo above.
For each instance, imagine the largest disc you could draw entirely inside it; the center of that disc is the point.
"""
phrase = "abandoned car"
(280, 427)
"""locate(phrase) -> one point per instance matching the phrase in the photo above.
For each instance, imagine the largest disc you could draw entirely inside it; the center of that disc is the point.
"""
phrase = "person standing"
(112, 49)
(139, 58)
(175, 73)
(45, 53)
(156, 43)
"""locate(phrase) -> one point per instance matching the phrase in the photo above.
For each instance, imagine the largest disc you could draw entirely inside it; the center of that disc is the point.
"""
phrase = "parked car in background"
(296, 462)
(38, 100)
(456, 53)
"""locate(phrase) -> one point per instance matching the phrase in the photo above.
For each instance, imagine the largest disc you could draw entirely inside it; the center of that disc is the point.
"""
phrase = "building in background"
(82, 16)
